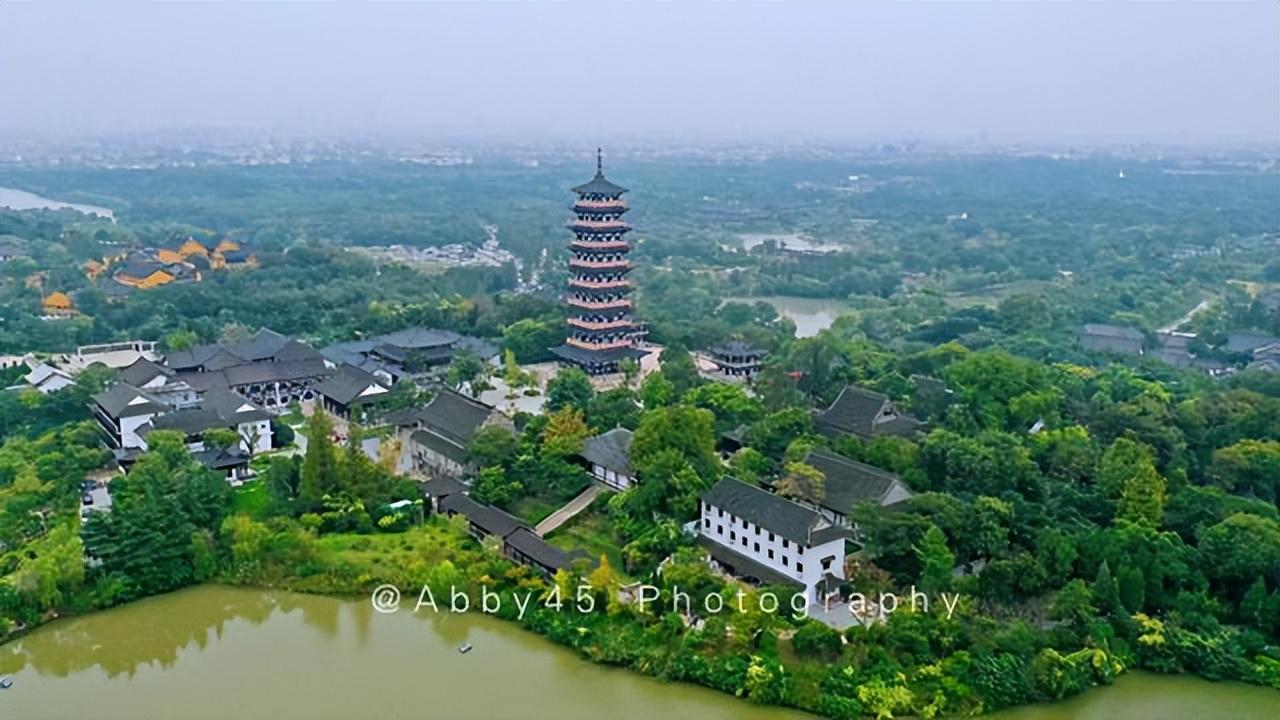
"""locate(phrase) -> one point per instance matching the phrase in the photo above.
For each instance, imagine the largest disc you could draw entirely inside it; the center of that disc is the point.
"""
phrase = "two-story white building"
(767, 539)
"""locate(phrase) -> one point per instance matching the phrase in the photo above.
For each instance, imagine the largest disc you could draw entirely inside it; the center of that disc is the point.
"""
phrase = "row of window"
(733, 536)
(707, 523)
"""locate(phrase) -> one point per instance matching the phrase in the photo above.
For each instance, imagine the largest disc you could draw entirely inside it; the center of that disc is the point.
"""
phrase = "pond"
(811, 315)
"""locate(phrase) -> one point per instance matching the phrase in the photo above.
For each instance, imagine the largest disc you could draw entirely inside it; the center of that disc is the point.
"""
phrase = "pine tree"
(1142, 500)
(320, 466)
(1132, 585)
(1106, 592)
(1253, 602)
(936, 561)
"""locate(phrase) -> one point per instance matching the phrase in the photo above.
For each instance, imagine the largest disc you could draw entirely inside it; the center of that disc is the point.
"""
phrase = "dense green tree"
(569, 388)
(687, 431)
(320, 464)
(492, 446)
(936, 561)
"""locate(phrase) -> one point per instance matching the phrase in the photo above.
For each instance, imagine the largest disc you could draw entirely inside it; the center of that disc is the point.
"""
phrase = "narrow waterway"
(15, 199)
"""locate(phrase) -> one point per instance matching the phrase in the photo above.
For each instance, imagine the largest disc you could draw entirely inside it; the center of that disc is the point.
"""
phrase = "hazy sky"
(1143, 71)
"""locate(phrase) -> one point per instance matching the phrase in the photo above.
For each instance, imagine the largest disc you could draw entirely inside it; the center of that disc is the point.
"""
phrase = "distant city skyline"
(1088, 73)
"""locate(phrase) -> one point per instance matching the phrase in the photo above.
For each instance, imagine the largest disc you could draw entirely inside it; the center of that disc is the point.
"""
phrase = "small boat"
(6, 682)
(464, 648)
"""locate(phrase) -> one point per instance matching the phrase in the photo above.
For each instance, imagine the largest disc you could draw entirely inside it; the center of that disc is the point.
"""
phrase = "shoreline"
(1012, 712)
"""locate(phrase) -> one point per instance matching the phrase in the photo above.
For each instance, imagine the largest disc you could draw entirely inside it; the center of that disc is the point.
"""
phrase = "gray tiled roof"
(775, 514)
(489, 519)
(581, 356)
(738, 348)
(440, 487)
(445, 446)
(418, 338)
(599, 185)
(854, 410)
(454, 416)
(540, 551)
(122, 400)
(611, 450)
(1248, 342)
(347, 384)
(849, 481)
(143, 371)
(218, 409)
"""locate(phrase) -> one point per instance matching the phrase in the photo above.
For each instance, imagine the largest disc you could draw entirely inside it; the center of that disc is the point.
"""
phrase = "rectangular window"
(786, 560)
(706, 522)
(770, 537)
(757, 531)
(784, 543)
(721, 511)
(799, 567)
(733, 535)
(826, 563)
(770, 553)
(757, 547)
(744, 541)
(720, 529)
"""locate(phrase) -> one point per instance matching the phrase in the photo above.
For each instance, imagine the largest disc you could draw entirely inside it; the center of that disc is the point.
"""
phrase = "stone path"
(573, 507)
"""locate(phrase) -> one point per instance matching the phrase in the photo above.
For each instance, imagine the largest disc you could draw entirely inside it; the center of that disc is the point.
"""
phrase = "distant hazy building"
(1111, 339)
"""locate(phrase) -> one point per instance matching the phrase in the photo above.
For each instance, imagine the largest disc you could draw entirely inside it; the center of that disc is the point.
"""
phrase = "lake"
(811, 315)
(222, 652)
(15, 199)
(219, 652)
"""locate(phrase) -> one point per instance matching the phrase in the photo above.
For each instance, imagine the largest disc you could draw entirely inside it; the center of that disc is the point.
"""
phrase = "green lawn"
(590, 533)
(252, 500)
(532, 510)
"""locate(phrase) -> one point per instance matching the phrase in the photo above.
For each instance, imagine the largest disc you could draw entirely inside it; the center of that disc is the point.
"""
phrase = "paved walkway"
(573, 507)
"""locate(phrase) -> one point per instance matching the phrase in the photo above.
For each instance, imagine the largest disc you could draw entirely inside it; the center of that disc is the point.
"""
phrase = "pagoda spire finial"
(600, 161)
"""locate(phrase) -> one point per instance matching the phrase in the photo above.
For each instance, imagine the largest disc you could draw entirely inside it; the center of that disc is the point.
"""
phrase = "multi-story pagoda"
(602, 332)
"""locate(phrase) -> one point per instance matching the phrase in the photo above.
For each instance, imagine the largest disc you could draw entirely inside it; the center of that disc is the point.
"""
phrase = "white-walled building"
(46, 379)
(121, 411)
(768, 539)
(126, 415)
(608, 458)
(159, 382)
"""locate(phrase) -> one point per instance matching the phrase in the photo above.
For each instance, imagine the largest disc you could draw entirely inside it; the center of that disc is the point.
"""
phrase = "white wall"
(246, 432)
(129, 437)
(788, 558)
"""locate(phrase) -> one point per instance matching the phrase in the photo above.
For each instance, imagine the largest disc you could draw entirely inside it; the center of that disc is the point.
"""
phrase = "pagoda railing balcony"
(607, 225)
(599, 284)
(598, 346)
(592, 325)
(579, 244)
(619, 205)
(600, 264)
(599, 304)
